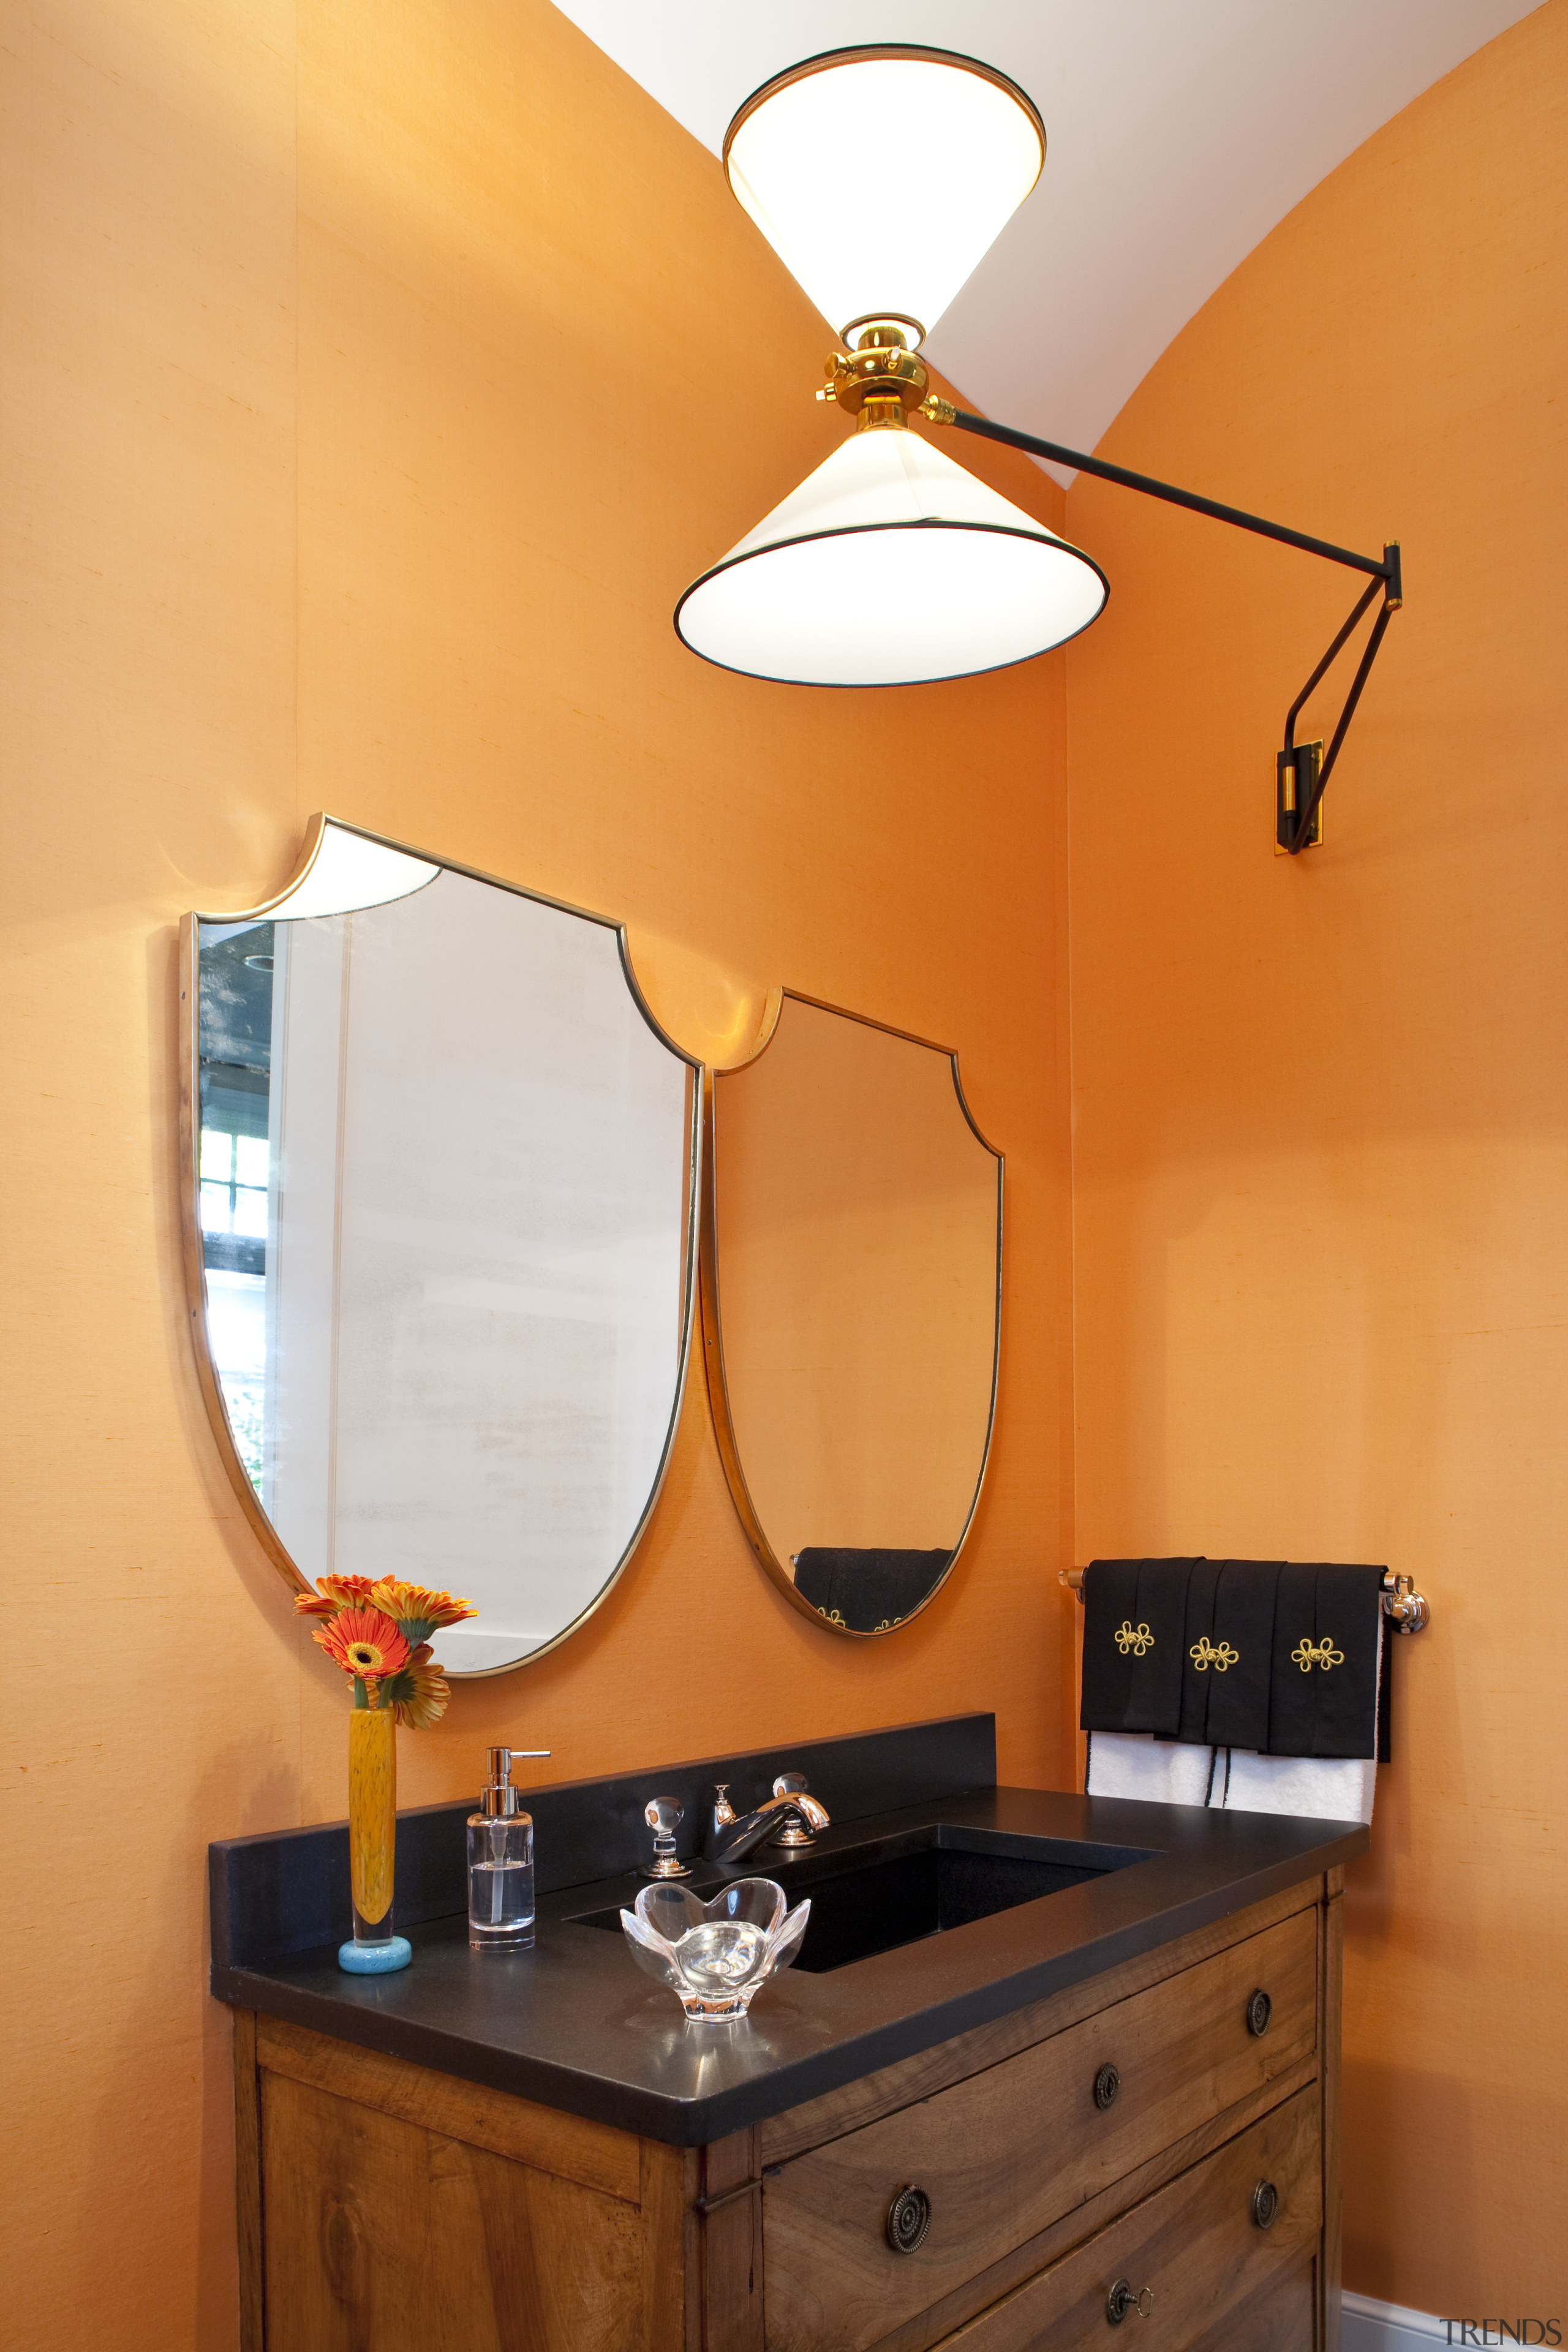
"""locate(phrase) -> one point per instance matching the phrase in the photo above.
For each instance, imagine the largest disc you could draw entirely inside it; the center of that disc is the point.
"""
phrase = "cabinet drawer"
(1005, 2154)
(1210, 2278)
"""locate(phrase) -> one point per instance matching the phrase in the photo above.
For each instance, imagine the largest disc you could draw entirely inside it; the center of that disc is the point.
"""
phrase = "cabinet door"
(1202, 2273)
(1005, 2154)
(383, 2237)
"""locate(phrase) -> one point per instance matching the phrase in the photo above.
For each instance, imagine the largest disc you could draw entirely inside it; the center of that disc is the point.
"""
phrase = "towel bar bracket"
(1407, 1611)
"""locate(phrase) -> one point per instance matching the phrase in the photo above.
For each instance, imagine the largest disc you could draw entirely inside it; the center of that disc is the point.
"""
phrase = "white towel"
(1317, 1788)
(1160, 1771)
(1235, 1779)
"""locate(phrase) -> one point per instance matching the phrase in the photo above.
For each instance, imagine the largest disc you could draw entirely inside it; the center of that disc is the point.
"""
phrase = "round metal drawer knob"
(1122, 2301)
(1265, 2204)
(1259, 2010)
(909, 2219)
(1106, 2082)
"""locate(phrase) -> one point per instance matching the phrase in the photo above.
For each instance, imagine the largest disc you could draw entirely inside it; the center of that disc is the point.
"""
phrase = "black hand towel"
(867, 1590)
(1134, 1629)
(1323, 1686)
(1242, 1654)
(1109, 1602)
(1292, 1698)
(1198, 1652)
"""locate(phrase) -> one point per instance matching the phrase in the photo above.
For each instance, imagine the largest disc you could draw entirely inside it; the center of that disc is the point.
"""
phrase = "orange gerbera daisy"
(418, 1610)
(418, 1694)
(332, 1593)
(365, 1642)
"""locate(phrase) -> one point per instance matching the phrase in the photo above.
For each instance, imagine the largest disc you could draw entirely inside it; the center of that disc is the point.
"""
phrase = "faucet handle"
(664, 1816)
(797, 1831)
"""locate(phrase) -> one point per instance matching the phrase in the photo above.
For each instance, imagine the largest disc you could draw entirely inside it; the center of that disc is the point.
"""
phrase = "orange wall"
(1320, 1105)
(364, 416)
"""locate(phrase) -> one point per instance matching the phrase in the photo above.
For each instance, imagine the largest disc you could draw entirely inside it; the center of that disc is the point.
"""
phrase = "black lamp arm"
(1302, 834)
(1385, 571)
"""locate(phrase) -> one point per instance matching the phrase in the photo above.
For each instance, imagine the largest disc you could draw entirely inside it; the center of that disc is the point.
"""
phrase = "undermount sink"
(870, 1899)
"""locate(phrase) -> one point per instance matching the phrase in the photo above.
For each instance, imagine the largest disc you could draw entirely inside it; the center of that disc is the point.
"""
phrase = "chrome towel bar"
(1407, 1611)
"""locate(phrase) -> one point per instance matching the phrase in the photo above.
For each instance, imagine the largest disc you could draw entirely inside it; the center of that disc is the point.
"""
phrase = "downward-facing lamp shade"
(879, 179)
(890, 566)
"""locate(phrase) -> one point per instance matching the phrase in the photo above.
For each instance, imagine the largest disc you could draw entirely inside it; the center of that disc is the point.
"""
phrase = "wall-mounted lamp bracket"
(1295, 773)
(1299, 799)
(1303, 791)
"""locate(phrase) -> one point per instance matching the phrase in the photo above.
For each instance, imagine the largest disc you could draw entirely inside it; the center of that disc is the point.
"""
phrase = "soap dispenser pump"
(501, 1860)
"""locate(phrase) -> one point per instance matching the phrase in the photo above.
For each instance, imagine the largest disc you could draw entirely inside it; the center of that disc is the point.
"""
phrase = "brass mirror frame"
(211, 1386)
(712, 1327)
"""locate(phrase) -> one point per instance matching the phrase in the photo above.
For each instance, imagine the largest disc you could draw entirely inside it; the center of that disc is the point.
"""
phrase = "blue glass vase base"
(375, 1960)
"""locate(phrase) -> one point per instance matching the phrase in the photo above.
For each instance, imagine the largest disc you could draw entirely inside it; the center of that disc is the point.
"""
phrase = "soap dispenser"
(501, 1861)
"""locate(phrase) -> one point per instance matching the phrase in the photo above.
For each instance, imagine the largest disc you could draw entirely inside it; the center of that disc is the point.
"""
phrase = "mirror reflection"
(851, 1305)
(442, 1170)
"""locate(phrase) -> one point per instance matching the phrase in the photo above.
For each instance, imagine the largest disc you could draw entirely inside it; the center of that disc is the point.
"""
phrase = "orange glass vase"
(374, 1947)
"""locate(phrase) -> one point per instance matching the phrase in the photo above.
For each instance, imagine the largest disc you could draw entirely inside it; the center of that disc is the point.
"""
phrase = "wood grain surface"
(1331, 1976)
(731, 2246)
(1005, 2153)
(386, 2237)
(596, 2155)
(1215, 2278)
(671, 2307)
(248, 2181)
(931, 2328)
(1281, 2316)
(826, 2118)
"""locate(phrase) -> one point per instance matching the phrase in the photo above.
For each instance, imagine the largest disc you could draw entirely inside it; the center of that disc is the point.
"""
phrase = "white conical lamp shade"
(962, 148)
(889, 566)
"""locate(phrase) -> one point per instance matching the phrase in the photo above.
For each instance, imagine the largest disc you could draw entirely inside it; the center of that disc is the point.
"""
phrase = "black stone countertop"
(575, 2024)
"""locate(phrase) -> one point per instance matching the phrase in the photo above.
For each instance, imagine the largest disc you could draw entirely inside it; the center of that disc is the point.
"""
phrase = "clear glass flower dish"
(715, 1955)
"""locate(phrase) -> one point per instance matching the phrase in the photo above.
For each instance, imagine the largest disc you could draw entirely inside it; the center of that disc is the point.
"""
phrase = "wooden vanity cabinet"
(1158, 2133)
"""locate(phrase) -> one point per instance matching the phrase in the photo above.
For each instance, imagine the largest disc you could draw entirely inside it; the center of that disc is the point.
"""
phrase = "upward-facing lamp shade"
(890, 566)
(881, 176)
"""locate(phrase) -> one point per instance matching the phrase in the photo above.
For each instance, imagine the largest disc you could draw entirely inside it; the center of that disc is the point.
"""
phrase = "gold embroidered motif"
(1308, 1655)
(1203, 1655)
(1136, 1638)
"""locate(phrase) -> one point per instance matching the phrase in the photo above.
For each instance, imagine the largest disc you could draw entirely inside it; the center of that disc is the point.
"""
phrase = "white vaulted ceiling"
(1179, 132)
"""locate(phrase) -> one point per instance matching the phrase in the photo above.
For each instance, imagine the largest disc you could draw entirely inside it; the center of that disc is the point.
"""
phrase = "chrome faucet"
(788, 1818)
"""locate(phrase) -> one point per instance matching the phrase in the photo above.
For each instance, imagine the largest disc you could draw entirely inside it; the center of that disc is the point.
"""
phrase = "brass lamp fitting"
(879, 382)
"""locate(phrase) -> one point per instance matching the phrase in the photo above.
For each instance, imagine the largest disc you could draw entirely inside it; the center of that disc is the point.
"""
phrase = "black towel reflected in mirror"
(865, 1591)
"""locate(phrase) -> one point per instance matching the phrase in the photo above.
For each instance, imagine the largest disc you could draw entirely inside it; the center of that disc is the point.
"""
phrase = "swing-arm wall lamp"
(891, 565)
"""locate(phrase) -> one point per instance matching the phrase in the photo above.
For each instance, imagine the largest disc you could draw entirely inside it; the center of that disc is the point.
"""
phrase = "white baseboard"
(1368, 2325)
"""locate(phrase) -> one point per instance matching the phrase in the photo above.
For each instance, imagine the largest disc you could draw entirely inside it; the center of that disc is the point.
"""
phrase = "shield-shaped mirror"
(851, 1307)
(441, 1173)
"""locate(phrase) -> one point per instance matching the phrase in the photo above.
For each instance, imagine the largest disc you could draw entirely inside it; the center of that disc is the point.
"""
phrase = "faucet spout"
(789, 1817)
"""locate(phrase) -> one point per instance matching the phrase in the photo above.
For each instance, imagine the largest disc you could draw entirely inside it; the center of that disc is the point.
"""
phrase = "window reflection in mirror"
(852, 1299)
(235, 1067)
